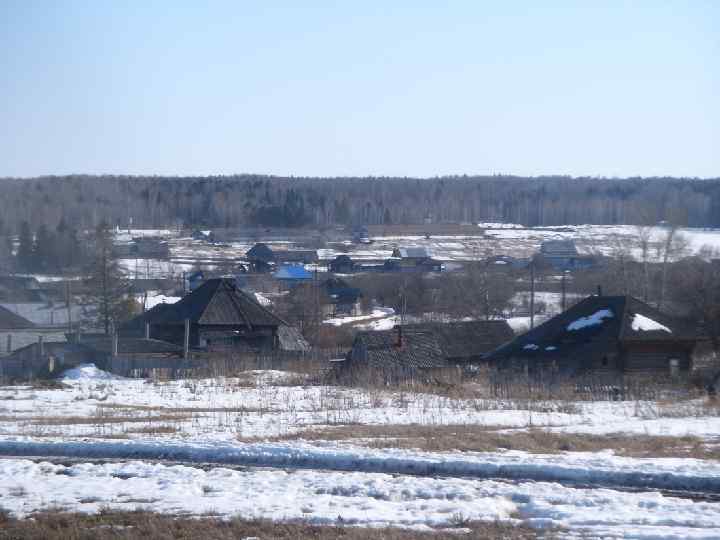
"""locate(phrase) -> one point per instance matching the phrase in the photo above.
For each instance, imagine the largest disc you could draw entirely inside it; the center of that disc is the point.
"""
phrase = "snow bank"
(592, 320)
(640, 323)
(88, 372)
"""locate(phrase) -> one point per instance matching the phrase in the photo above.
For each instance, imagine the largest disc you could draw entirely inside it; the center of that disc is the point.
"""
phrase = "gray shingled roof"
(12, 321)
(291, 339)
(381, 349)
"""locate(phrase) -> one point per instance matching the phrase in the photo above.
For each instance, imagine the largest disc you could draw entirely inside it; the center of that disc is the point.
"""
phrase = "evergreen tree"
(45, 250)
(25, 254)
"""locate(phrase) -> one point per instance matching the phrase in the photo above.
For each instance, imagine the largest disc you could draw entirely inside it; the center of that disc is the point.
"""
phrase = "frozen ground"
(227, 422)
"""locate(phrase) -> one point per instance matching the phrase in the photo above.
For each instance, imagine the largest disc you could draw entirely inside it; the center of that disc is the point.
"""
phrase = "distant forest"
(82, 202)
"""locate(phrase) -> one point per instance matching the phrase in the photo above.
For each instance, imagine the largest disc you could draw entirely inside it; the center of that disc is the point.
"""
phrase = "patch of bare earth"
(143, 525)
(478, 439)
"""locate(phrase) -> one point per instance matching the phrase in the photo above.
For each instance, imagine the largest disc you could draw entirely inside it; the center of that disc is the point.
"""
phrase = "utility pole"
(532, 294)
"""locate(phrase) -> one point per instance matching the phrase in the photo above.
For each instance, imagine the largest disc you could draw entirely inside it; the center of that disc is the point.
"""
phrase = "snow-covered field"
(146, 427)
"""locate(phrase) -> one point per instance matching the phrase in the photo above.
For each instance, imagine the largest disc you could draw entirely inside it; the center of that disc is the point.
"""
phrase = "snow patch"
(89, 372)
(592, 320)
(640, 323)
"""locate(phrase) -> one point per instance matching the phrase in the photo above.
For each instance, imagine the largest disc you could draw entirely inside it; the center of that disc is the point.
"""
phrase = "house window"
(674, 367)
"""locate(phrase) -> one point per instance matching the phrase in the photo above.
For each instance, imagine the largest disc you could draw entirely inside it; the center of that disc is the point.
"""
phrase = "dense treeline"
(229, 201)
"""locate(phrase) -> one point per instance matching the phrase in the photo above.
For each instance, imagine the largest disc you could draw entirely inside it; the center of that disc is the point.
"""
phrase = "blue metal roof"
(294, 272)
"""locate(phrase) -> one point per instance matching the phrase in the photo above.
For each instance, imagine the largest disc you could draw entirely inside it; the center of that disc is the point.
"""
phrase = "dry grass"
(100, 419)
(467, 438)
(143, 525)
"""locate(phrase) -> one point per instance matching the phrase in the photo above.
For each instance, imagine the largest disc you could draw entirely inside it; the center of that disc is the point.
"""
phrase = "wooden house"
(295, 256)
(412, 259)
(563, 255)
(610, 335)
(219, 315)
(342, 264)
(260, 257)
(340, 298)
(424, 351)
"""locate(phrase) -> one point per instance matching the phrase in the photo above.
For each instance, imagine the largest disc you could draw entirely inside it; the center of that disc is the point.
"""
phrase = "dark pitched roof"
(136, 325)
(342, 259)
(217, 301)
(12, 321)
(381, 349)
(260, 252)
(596, 324)
(468, 339)
(561, 248)
(340, 292)
(306, 256)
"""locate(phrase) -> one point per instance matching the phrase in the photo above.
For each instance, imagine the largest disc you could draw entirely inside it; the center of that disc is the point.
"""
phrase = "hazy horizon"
(411, 89)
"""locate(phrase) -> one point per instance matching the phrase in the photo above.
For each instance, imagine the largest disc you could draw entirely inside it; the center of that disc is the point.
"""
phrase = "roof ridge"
(230, 289)
(621, 332)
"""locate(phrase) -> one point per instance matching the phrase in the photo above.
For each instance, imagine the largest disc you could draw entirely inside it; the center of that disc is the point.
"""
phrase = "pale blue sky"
(360, 88)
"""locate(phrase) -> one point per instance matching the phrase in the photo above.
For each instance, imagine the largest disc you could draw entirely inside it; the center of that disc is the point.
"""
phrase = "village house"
(412, 259)
(261, 258)
(219, 316)
(563, 255)
(295, 256)
(424, 351)
(340, 298)
(603, 335)
(342, 264)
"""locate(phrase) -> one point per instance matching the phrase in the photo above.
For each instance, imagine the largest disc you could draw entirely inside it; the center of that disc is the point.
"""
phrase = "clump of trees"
(44, 250)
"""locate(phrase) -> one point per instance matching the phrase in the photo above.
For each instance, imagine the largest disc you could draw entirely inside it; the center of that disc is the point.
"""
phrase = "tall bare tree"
(108, 302)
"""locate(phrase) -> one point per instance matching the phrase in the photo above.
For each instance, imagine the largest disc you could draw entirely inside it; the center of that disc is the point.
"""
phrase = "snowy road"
(355, 498)
(571, 468)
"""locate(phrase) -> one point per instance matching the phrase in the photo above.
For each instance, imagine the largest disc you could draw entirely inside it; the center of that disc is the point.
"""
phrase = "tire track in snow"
(680, 475)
